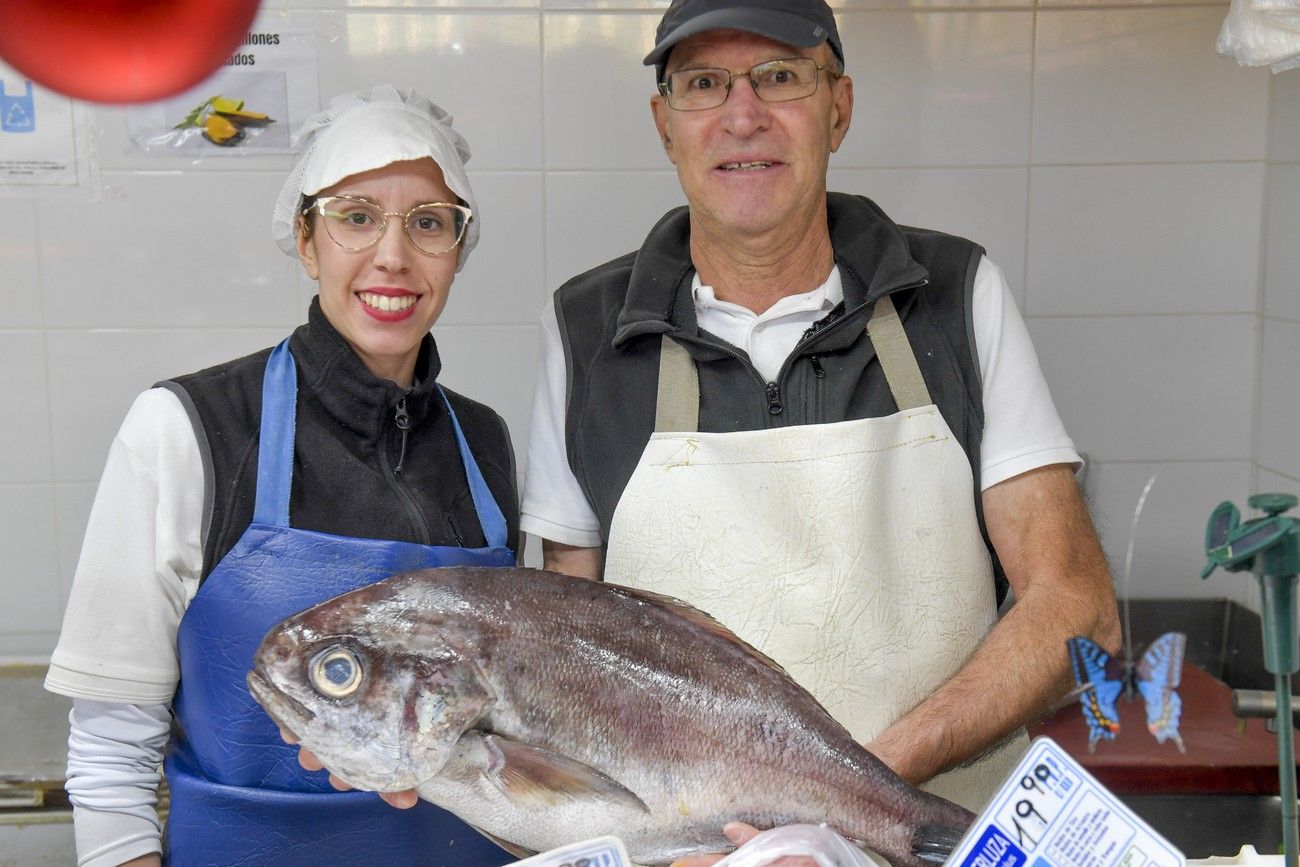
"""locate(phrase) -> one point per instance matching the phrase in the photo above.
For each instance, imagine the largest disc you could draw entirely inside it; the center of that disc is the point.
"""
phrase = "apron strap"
(677, 407)
(275, 452)
(896, 357)
(489, 513)
(275, 440)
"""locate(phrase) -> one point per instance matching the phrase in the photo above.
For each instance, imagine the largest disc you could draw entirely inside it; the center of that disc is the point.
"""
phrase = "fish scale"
(546, 709)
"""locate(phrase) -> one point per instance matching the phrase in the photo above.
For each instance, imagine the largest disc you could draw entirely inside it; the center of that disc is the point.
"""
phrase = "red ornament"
(121, 51)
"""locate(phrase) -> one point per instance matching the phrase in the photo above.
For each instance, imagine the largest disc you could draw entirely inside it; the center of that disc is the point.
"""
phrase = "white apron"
(848, 552)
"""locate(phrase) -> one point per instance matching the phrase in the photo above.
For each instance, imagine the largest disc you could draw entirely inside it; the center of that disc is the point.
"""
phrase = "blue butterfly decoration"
(1156, 675)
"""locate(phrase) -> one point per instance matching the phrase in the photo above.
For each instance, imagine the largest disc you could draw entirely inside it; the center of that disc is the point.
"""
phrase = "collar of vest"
(336, 377)
(871, 250)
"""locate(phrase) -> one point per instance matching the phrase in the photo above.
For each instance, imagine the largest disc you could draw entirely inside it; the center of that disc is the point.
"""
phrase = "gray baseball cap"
(804, 23)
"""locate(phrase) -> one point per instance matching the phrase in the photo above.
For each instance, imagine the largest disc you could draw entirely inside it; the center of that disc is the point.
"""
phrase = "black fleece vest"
(611, 320)
(345, 470)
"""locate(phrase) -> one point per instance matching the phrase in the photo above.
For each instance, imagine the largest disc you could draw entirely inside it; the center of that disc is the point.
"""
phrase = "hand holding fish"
(740, 834)
(402, 800)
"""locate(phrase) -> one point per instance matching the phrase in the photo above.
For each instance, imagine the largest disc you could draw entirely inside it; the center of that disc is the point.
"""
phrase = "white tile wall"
(1112, 164)
(1284, 117)
(484, 69)
(986, 205)
(938, 88)
(592, 217)
(1169, 539)
(1142, 85)
(1152, 388)
(1279, 412)
(404, 4)
(499, 284)
(20, 304)
(495, 365)
(1271, 482)
(25, 433)
(1144, 239)
(166, 251)
(31, 593)
(1282, 258)
(1277, 452)
(597, 93)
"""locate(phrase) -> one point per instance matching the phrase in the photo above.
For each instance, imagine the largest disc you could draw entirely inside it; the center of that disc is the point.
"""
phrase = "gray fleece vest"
(611, 320)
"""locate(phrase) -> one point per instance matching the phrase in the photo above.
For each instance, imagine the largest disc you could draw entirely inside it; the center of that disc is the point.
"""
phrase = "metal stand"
(1279, 603)
(1270, 548)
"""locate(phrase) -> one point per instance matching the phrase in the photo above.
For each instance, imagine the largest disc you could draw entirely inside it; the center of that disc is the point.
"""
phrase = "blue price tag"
(600, 852)
(1053, 813)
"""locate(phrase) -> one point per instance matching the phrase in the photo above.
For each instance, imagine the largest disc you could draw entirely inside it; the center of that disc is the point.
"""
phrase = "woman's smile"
(388, 305)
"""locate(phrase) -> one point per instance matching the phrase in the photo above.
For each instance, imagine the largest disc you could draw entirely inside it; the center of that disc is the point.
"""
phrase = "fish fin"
(934, 843)
(535, 775)
(520, 852)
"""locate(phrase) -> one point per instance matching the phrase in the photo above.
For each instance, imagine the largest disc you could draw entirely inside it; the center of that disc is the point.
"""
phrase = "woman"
(237, 495)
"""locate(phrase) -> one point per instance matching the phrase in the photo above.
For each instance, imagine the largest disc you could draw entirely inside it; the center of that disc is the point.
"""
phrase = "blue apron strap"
(489, 513)
(275, 444)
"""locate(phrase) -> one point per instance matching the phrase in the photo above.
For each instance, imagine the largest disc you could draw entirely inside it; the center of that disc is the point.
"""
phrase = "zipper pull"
(403, 424)
(774, 406)
(817, 367)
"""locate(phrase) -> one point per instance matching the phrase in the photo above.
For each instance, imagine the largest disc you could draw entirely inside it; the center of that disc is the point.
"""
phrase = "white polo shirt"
(1022, 430)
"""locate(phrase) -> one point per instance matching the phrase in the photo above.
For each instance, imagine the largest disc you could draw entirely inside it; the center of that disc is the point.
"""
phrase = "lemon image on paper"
(223, 119)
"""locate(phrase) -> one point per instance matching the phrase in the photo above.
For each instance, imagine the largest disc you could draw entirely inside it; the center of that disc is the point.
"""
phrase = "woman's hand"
(403, 800)
(740, 834)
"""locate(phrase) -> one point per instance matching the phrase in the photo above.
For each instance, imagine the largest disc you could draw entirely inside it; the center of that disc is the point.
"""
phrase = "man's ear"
(841, 110)
(306, 248)
(662, 113)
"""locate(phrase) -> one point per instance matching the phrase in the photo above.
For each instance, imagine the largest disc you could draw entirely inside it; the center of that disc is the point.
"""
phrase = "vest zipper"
(420, 526)
(772, 389)
(774, 406)
(404, 425)
(818, 387)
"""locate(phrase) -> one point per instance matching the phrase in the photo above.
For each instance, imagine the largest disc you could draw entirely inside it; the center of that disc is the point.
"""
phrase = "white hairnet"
(368, 130)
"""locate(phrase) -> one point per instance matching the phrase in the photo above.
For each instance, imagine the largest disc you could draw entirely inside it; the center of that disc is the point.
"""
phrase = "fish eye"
(335, 672)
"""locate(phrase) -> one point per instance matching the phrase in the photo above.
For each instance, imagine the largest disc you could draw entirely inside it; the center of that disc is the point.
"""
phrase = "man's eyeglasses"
(778, 80)
(356, 224)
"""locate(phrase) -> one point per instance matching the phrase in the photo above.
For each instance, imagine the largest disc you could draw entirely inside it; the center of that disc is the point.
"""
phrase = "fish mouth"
(278, 703)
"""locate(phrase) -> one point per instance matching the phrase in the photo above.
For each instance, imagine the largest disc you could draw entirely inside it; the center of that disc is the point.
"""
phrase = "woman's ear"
(306, 247)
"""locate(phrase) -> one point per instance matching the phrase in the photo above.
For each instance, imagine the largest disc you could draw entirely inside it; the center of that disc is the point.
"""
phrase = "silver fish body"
(545, 709)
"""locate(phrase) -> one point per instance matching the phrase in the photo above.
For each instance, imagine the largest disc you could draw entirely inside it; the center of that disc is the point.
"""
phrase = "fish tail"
(934, 843)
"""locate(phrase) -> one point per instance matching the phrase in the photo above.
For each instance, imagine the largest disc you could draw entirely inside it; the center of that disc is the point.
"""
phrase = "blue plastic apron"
(238, 795)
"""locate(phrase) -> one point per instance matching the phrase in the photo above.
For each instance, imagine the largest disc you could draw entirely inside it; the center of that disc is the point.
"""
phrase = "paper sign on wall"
(38, 134)
(252, 105)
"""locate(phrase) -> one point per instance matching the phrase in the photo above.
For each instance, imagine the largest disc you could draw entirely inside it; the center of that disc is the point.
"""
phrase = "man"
(829, 432)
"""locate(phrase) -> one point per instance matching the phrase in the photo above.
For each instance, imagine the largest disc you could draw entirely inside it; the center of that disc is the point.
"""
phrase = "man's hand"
(740, 834)
(403, 800)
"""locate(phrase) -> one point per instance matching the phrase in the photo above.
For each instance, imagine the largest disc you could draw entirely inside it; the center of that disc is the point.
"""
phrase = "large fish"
(545, 709)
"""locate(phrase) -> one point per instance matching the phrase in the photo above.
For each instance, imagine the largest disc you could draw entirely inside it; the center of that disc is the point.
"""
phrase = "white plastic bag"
(1262, 33)
(821, 844)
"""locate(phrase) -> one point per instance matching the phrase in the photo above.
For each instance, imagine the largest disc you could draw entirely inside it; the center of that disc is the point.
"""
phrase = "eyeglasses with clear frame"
(780, 80)
(356, 224)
